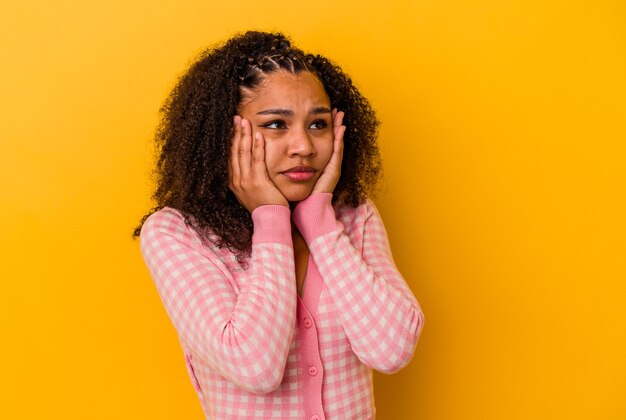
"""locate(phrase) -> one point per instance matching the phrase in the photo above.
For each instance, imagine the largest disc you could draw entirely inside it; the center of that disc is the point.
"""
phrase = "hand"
(247, 174)
(330, 176)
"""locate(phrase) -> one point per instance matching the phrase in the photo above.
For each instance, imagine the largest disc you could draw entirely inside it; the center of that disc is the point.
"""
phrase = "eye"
(276, 124)
(319, 124)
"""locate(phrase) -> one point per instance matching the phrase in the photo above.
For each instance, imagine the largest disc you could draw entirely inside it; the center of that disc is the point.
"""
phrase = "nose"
(301, 144)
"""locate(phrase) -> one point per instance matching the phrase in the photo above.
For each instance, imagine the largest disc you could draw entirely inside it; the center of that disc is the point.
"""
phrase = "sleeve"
(243, 335)
(381, 317)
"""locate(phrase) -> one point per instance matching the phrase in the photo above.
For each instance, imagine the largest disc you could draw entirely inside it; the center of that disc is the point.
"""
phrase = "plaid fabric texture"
(253, 348)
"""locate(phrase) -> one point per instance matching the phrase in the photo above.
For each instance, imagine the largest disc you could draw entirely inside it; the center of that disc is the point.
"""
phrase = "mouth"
(300, 173)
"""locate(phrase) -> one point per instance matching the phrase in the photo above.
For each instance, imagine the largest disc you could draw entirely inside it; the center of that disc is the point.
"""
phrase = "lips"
(300, 169)
(300, 173)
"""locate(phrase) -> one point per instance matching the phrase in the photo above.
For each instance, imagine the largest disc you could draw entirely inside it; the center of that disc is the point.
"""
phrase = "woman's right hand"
(247, 173)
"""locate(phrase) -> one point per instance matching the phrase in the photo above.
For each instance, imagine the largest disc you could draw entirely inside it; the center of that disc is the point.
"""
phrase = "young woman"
(270, 260)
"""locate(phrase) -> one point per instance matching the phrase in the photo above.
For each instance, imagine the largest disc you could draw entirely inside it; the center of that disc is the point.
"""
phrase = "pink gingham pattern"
(253, 348)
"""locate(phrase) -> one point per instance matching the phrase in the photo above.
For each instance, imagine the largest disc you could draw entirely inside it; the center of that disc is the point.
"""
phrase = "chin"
(297, 195)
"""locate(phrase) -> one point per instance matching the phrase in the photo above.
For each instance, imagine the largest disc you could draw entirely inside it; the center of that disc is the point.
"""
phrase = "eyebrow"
(289, 113)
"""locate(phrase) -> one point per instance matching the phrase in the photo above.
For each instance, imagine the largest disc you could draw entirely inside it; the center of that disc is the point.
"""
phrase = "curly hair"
(194, 134)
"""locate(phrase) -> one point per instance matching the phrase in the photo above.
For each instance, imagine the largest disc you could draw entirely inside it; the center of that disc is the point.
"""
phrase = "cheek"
(272, 156)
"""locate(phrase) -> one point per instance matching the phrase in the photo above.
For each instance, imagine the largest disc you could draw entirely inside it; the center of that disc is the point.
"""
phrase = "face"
(293, 114)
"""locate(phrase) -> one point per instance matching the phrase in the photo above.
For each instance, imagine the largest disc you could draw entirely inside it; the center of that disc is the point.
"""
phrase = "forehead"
(286, 90)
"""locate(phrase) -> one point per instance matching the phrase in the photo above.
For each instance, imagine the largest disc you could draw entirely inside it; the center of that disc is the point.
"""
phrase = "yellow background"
(503, 139)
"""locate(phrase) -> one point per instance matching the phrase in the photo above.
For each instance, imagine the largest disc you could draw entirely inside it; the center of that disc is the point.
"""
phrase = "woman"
(270, 260)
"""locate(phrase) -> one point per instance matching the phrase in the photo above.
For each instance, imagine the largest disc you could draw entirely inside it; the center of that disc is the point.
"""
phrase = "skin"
(287, 122)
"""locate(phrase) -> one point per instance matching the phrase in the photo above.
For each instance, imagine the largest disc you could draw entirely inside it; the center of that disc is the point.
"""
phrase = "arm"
(379, 314)
(245, 335)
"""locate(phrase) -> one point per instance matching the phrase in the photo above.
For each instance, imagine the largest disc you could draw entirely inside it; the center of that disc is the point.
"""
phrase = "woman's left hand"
(330, 176)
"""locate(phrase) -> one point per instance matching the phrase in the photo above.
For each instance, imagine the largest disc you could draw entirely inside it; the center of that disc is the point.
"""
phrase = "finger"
(332, 115)
(245, 149)
(334, 163)
(258, 155)
(337, 118)
(337, 122)
(338, 145)
(340, 132)
(233, 163)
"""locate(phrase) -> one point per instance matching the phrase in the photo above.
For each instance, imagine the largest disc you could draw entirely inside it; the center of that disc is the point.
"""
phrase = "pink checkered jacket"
(254, 348)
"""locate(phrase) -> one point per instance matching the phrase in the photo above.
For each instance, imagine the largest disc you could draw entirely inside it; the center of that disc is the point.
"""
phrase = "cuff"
(272, 223)
(314, 216)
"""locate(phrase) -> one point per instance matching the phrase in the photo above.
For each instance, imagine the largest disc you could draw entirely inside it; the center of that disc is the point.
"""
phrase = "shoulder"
(167, 221)
(167, 225)
(168, 229)
(355, 218)
(361, 212)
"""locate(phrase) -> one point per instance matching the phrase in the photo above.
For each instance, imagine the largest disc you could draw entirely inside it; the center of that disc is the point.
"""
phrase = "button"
(312, 371)
(307, 323)
(316, 417)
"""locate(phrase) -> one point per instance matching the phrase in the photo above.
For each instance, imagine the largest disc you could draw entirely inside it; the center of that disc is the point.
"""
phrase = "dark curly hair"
(194, 134)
